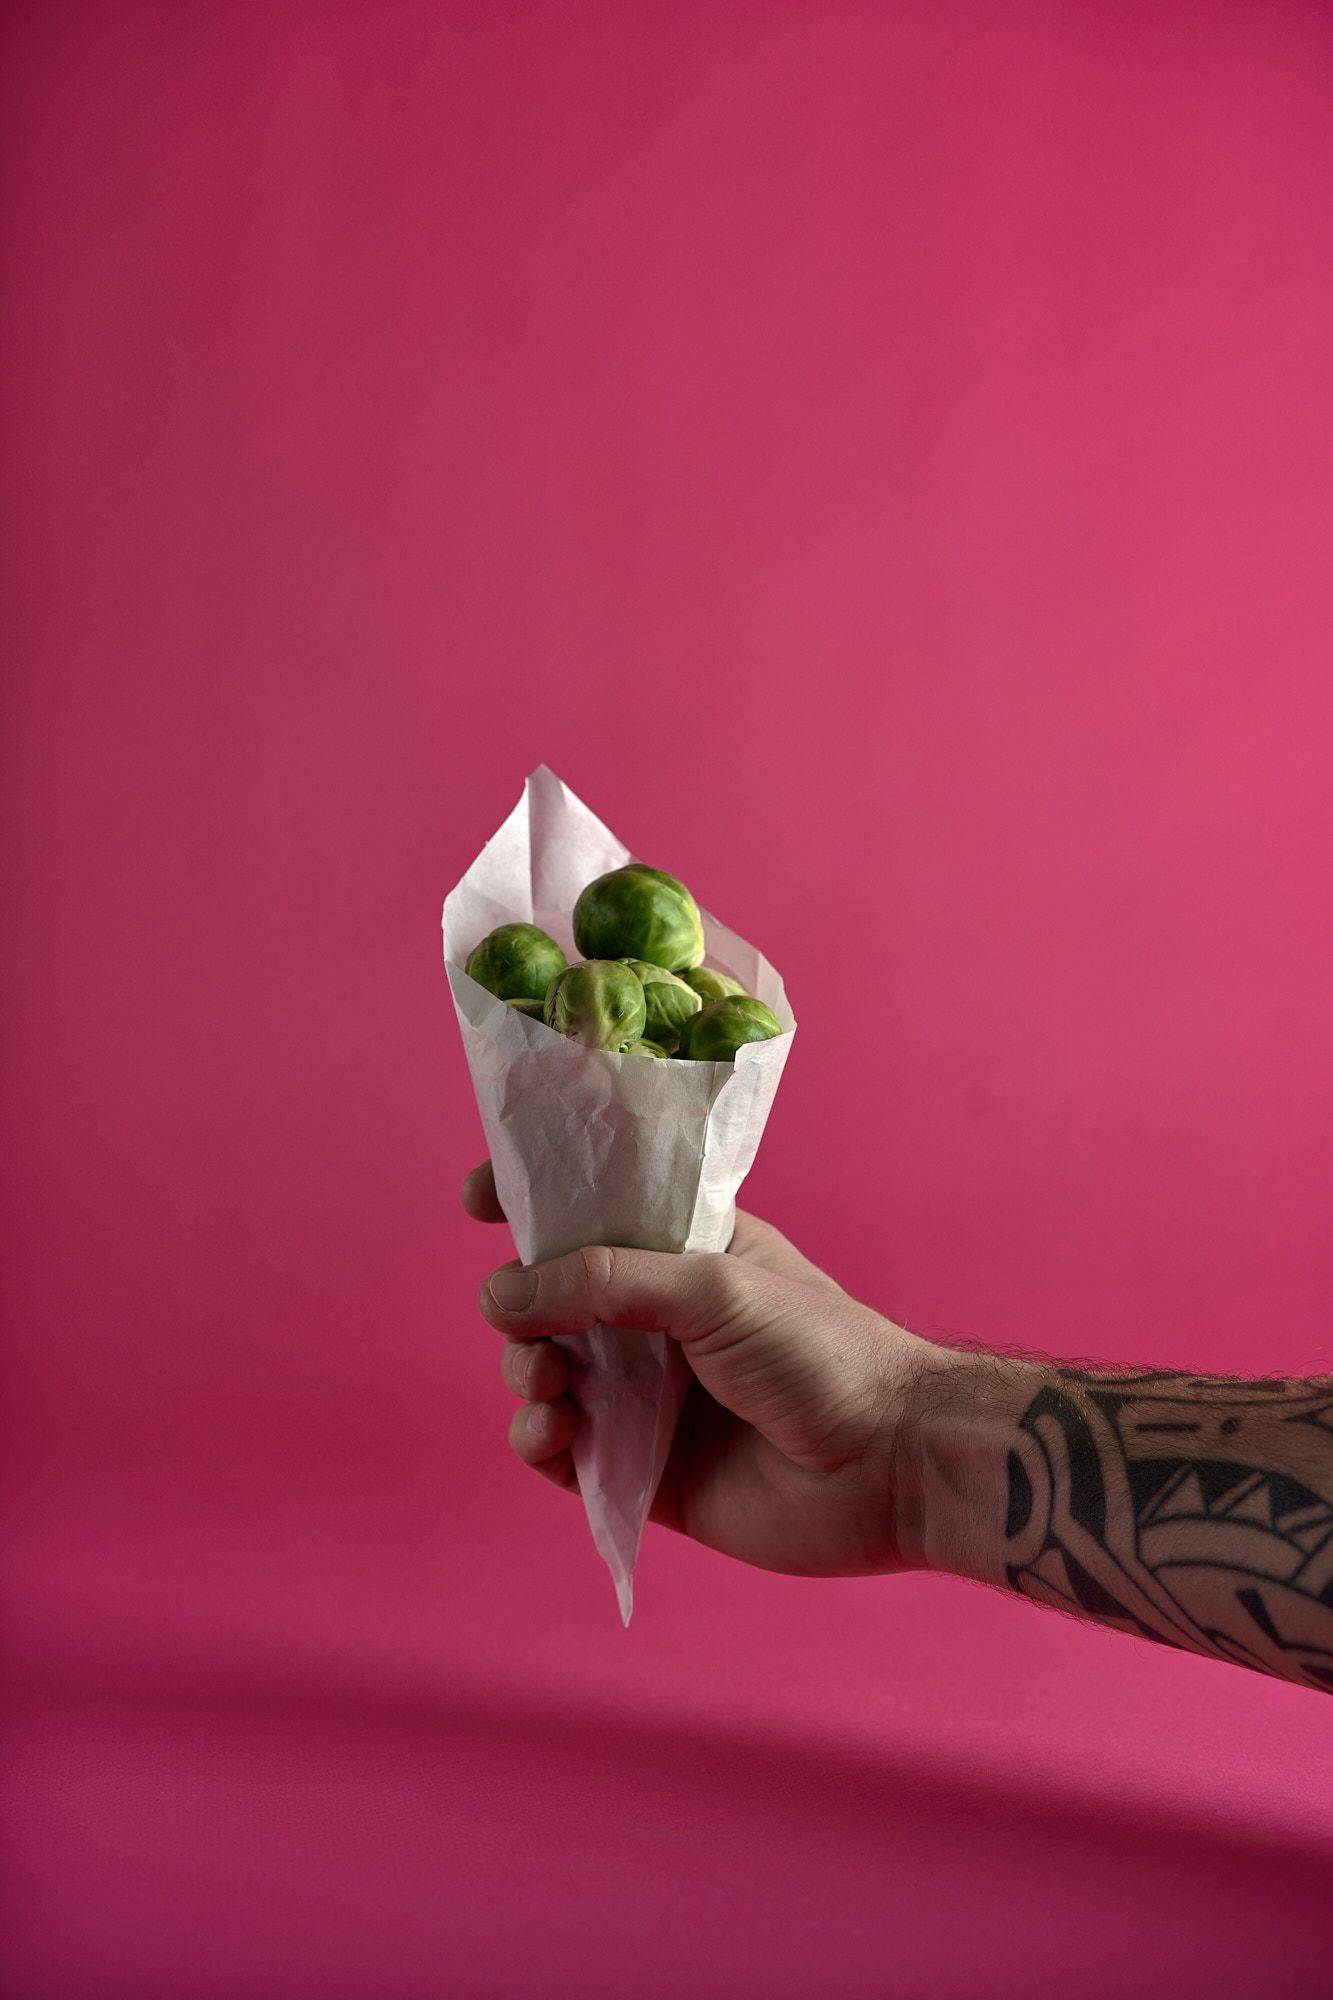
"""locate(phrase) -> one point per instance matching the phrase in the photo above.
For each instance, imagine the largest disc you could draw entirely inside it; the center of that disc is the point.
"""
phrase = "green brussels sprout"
(724, 1026)
(534, 1009)
(710, 985)
(599, 1004)
(516, 962)
(643, 1048)
(669, 1002)
(639, 912)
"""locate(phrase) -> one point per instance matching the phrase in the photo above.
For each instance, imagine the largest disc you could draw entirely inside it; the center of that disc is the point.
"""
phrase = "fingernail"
(514, 1291)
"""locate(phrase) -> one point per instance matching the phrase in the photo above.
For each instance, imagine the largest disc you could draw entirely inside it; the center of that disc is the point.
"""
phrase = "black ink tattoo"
(1192, 1511)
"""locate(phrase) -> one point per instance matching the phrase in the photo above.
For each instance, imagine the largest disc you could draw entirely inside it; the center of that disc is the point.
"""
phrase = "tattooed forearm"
(1191, 1510)
(1195, 1512)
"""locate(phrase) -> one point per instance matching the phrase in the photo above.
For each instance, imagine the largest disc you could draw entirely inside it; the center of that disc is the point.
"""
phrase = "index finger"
(479, 1197)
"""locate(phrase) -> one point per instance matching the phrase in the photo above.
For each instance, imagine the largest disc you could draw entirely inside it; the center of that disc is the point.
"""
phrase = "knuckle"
(597, 1266)
(726, 1288)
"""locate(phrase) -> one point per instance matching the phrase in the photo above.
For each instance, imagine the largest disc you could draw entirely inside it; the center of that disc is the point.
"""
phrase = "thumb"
(685, 1296)
(797, 1363)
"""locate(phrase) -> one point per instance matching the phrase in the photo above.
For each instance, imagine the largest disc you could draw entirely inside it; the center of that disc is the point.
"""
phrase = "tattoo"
(1194, 1511)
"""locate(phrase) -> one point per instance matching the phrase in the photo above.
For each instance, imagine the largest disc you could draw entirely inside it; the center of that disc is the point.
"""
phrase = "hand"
(787, 1448)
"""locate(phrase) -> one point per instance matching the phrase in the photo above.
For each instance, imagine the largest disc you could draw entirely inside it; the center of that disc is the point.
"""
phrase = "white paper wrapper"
(596, 1148)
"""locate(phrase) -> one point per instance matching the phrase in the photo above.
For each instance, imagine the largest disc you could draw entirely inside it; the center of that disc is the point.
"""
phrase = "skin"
(820, 1439)
(783, 1455)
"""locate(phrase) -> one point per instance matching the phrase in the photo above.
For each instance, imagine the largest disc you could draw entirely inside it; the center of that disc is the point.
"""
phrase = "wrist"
(951, 1472)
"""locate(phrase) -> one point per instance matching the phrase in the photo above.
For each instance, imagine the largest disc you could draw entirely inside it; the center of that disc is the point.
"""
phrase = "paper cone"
(590, 1147)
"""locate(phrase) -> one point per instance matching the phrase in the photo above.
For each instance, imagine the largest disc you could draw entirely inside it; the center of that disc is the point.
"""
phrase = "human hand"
(819, 1439)
(787, 1451)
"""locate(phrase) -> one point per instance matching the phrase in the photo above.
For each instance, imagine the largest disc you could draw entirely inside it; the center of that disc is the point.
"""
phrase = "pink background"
(880, 457)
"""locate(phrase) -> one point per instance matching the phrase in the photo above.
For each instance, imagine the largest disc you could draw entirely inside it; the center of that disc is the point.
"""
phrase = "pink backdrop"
(880, 456)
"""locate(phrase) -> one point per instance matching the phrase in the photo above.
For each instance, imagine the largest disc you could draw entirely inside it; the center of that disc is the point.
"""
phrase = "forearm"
(1194, 1511)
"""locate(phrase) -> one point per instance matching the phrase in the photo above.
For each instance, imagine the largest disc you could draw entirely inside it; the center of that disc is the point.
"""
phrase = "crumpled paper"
(590, 1147)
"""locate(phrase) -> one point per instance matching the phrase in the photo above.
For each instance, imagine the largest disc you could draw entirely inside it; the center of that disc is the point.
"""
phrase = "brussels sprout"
(516, 962)
(534, 1009)
(642, 1048)
(724, 1026)
(710, 985)
(669, 1002)
(599, 1004)
(639, 912)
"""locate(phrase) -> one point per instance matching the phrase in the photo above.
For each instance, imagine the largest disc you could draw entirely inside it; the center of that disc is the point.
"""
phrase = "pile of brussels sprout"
(642, 988)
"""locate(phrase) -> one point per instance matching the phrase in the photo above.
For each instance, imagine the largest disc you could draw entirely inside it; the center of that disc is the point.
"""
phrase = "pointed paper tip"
(625, 1599)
